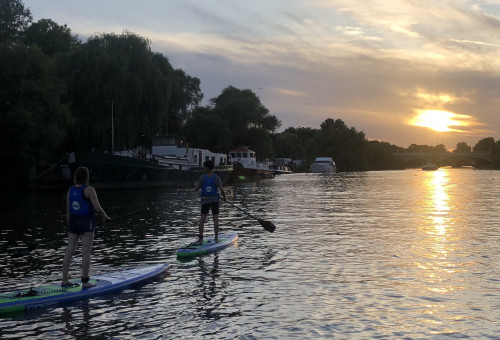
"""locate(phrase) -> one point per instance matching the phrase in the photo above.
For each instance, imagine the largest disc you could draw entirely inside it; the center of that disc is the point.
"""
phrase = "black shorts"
(81, 224)
(212, 205)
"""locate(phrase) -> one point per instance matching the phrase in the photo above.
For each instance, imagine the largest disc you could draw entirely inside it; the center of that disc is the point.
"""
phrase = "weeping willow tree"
(119, 75)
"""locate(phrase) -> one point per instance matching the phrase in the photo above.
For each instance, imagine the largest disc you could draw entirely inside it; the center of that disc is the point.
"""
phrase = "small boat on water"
(280, 169)
(430, 167)
(323, 165)
(246, 167)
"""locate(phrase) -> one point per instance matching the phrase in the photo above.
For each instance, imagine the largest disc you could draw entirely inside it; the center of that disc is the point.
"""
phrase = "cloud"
(371, 63)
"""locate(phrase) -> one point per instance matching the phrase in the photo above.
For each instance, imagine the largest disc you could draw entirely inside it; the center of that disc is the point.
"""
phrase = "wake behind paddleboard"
(208, 245)
(46, 295)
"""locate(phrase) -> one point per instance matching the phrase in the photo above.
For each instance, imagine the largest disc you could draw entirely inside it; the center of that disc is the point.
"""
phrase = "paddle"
(33, 246)
(267, 225)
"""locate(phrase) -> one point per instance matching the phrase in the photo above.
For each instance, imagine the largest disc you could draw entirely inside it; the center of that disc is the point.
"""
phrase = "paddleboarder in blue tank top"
(210, 184)
(81, 209)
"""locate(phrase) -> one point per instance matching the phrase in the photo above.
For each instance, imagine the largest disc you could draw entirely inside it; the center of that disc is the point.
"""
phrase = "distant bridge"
(444, 158)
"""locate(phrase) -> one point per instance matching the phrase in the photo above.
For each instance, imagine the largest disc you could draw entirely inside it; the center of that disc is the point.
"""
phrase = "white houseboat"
(171, 151)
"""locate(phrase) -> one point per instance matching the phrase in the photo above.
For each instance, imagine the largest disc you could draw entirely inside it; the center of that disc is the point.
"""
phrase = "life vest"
(78, 204)
(209, 188)
(82, 214)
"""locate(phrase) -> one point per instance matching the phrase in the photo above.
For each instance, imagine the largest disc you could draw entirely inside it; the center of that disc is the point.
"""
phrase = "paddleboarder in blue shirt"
(81, 209)
(210, 184)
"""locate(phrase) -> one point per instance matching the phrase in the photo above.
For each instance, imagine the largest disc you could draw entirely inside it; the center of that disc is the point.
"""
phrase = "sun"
(441, 121)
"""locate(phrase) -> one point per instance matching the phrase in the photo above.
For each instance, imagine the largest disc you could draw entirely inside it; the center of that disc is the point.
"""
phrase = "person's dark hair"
(82, 176)
(209, 164)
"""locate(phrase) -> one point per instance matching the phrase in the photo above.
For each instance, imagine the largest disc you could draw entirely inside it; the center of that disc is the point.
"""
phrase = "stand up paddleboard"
(51, 294)
(208, 245)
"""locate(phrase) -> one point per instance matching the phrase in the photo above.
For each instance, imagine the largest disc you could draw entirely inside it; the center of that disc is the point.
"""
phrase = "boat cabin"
(247, 159)
(173, 151)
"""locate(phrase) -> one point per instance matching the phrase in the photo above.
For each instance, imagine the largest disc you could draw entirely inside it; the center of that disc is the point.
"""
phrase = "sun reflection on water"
(437, 246)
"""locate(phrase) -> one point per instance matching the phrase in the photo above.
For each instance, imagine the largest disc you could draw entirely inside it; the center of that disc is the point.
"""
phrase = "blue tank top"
(209, 187)
(78, 204)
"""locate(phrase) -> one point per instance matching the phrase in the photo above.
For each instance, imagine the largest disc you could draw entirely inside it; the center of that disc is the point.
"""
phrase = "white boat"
(246, 167)
(430, 166)
(281, 169)
(281, 166)
(323, 165)
(170, 151)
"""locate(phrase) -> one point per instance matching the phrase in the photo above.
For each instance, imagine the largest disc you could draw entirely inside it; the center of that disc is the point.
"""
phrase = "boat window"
(161, 141)
(239, 154)
(245, 155)
(233, 154)
(252, 154)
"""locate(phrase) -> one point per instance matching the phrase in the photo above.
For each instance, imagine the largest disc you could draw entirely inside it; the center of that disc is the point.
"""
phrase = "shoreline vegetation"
(60, 94)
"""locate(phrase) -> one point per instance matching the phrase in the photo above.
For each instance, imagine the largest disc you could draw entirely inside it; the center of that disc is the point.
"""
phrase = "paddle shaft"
(267, 225)
(258, 219)
(34, 245)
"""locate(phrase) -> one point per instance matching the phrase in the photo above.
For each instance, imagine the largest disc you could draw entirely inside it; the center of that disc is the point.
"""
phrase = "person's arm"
(223, 194)
(219, 183)
(91, 194)
(199, 185)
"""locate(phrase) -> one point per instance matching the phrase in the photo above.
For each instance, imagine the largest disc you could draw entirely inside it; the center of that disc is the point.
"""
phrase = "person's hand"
(103, 219)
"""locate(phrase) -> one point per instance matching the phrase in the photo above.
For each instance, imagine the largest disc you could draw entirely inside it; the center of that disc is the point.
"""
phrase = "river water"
(391, 254)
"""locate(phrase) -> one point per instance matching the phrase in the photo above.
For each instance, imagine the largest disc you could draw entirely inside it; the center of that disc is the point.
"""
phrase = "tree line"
(57, 94)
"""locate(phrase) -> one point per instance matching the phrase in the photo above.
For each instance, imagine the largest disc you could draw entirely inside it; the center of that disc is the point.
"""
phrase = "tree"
(185, 96)
(247, 118)
(484, 145)
(462, 147)
(346, 146)
(495, 155)
(118, 73)
(288, 145)
(380, 156)
(205, 129)
(14, 19)
(440, 148)
(420, 148)
(33, 122)
(243, 109)
(50, 37)
(305, 134)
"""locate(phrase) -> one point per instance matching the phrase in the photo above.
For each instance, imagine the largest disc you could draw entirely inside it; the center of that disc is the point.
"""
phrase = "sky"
(423, 72)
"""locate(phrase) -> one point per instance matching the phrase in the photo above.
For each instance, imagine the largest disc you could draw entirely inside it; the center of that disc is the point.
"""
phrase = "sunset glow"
(441, 121)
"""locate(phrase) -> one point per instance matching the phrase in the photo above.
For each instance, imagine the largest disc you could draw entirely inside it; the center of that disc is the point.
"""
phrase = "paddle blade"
(269, 226)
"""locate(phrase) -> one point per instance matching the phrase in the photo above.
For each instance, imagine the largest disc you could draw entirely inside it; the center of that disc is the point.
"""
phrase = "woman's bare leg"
(87, 242)
(70, 250)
